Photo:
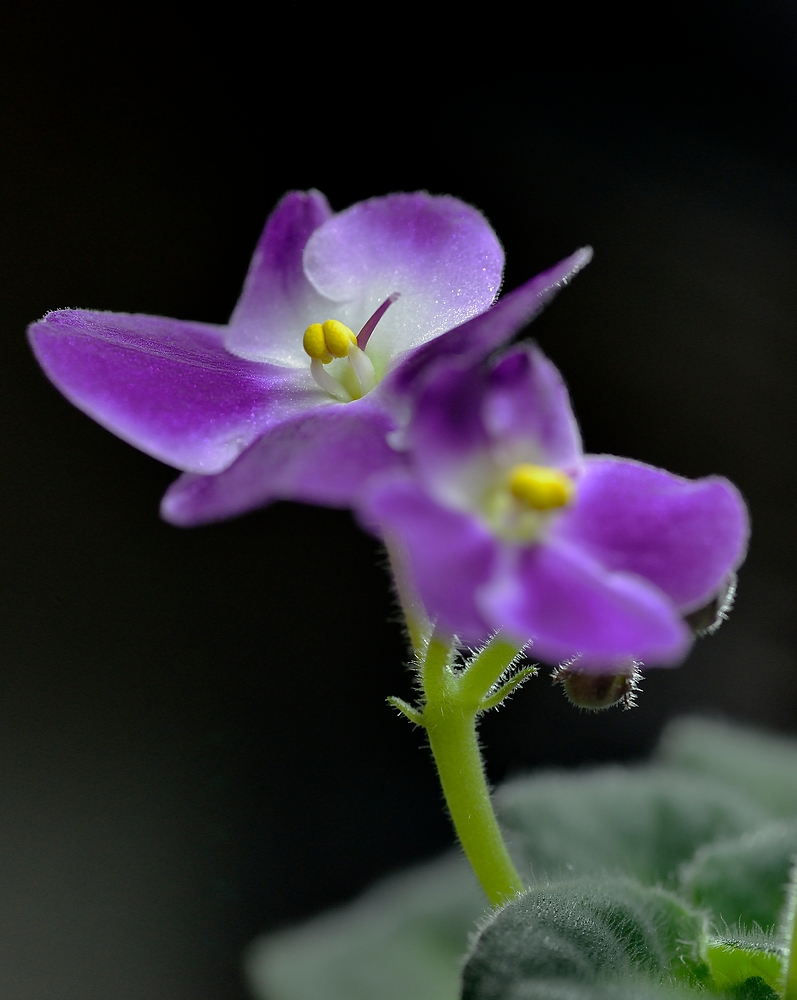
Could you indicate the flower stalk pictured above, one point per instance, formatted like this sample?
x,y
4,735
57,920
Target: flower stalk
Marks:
x,y
452,703
452,700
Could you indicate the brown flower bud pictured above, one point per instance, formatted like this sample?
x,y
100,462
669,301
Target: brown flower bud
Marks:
x,y
708,619
596,691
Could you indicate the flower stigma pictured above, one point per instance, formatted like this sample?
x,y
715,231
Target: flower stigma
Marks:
x,y
332,340
519,508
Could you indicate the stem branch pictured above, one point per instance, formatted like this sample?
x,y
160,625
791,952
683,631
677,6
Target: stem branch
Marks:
x,y
486,668
452,701
449,715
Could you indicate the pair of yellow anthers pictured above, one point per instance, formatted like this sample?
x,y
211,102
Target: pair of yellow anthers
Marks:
x,y
333,340
540,487
326,342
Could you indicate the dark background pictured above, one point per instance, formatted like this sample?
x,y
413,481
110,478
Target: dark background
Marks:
x,y
185,759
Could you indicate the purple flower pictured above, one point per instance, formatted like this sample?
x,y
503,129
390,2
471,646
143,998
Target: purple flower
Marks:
x,y
294,398
503,523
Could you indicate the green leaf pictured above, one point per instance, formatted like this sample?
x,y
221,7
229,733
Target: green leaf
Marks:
x,y
743,881
754,988
590,931
736,964
640,821
634,989
402,940
761,765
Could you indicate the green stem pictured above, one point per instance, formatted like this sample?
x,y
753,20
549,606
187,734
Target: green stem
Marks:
x,y
449,715
485,668
419,628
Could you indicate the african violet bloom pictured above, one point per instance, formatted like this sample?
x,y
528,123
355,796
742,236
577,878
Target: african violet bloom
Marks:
x,y
291,398
503,523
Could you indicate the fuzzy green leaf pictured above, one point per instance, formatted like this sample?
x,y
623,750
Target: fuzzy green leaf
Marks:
x,y
743,881
736,963
404,938
761,765
754,988
590,931
639,821
634,989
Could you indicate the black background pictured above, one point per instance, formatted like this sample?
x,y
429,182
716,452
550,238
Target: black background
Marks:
x,y
185,758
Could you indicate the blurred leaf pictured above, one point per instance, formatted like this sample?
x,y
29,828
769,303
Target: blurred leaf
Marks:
x,y
590,931
760,764
743,881
634,989
402,940
640,821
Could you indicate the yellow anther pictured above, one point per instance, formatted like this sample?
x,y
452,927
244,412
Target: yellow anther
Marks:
x,y
326,341
338,337
314,343
540,487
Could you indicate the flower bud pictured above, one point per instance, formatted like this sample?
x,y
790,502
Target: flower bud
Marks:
x,y
708,619
596,691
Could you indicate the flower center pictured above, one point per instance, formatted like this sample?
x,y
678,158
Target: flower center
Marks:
x,y
333,341
540,487
521,505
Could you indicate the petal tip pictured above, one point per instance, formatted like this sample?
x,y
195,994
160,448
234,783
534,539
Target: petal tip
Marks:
x,y
574,263
582,257
175,506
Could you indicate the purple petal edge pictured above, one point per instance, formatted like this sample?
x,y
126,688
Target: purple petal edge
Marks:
x,y
571,606
475,339
270,315
447,556
528,400
323,457
166,386
438,252
685,536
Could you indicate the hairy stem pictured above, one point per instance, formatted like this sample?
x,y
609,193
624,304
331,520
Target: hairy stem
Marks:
x,y
451,703
449,715
419,628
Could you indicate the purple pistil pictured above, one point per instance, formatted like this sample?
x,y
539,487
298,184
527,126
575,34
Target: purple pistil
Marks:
x,y
370,324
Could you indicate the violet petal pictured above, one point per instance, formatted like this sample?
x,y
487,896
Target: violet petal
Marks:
x,y
683,535
470,426
569,605
448,556
321,457
165,386
440,254
447,439
278,303
527,409
475,339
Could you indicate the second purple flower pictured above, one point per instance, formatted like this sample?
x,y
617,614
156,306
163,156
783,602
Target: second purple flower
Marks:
x,y
504,524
